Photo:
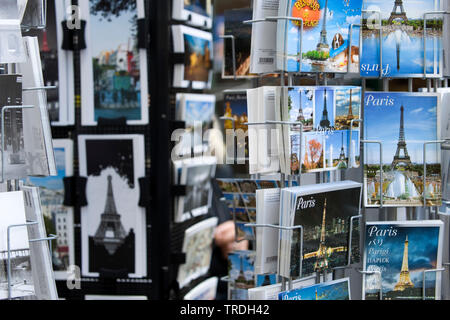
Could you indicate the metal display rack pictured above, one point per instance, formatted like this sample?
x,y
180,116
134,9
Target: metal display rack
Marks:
x,y
320,177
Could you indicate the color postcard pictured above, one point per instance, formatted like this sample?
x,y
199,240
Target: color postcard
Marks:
x,y
403,123
193,12
235,105
325,44
113,69
403,39
333,290
399,253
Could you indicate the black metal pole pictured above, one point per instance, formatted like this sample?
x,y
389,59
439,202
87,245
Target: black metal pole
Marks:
x,y
159,30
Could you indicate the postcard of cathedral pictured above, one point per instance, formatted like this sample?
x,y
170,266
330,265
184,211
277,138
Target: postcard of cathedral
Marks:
x,y
402,257
326,43
405,124
405,35
326,217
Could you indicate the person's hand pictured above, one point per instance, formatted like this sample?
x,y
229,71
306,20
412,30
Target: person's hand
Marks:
x,y
225,237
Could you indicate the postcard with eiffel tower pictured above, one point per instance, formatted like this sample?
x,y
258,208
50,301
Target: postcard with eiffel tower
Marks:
x,y
403,33
399,253
403,123
112,224
325,44
324,212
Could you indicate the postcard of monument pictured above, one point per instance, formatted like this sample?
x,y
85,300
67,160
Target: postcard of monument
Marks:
x,y
113,69
398,254
403,123
194,12
326,213
113,224
333,290
403,39
197,245
198,55
241,269
235,107
57,64
325,43
60,217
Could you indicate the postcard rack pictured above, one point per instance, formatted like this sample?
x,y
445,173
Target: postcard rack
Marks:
x,y
286,283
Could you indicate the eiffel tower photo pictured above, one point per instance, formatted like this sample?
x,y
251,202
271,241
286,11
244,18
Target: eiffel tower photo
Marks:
x,y
323,253
323,44
111,247
403,159
404,281
325,122
396,14
342,164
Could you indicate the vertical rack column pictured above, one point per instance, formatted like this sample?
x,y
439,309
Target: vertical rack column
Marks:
x,y
159,82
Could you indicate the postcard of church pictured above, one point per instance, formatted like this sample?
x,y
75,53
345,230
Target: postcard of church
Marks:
x,y
326,216
328,41
402,260
406,35
405,124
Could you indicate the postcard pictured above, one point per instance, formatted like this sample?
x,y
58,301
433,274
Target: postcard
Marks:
x,y
11,44
400,253
402,122
333,290
113,69
194,12
241,269
197,48
325,44
34,15
196,174
266,279
263,51
113,228
59,217
242,34
330,136
57,65
325,212
14,165
403,39
197,245
37,135
41,260
22,284
197,111
206,290
235,105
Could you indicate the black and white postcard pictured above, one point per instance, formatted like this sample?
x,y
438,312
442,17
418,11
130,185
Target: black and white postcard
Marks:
x,y
57,65
41,261
13,158
11,45
113,225
22,285
113,69
38,144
